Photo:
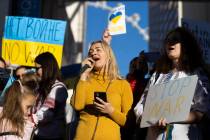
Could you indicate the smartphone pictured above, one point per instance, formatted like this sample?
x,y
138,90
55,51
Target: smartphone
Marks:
x,y
101,95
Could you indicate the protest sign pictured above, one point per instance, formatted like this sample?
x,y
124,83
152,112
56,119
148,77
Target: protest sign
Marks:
x,y
171,100
25,38
116,21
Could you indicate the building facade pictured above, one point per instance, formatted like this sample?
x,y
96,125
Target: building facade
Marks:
x,y
166,15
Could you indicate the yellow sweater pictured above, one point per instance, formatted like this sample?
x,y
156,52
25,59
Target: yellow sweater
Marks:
x,y
120,96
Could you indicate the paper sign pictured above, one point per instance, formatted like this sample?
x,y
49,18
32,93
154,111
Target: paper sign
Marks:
x,y
116,21
171,100
25,38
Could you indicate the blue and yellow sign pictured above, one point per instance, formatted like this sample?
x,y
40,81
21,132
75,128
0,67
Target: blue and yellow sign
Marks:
x,y
116,21
25,38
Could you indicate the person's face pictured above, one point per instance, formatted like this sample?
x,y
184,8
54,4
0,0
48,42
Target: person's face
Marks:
x,y
38,69
27,103
174,51
2,65
20,72
98,54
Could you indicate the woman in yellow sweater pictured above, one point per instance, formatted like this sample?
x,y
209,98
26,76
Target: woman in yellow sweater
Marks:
x,y
101,120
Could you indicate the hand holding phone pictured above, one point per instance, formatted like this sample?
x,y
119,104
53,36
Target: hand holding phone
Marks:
x,y
103,107
101,95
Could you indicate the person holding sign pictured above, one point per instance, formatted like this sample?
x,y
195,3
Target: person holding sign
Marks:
x,y
102,97
181,58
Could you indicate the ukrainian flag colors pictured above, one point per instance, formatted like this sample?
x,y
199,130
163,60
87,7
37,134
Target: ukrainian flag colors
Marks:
x,y
24,52
25,38
116,21
115,17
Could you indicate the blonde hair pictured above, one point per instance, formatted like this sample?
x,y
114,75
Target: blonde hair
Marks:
x,y
111,68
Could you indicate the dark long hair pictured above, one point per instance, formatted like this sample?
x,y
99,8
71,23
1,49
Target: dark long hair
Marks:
x,y
191,56
50,72
12,109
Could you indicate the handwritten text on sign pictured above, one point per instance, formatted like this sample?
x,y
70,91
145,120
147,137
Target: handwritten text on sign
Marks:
x,y
24,53
25,38
171,100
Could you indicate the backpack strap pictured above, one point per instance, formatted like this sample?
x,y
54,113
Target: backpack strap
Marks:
x,y
9,133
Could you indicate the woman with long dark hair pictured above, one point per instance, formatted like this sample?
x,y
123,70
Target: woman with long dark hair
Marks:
x,y
50,106
181,57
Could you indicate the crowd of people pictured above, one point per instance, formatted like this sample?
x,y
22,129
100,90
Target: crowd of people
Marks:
x,y
33,106
107,106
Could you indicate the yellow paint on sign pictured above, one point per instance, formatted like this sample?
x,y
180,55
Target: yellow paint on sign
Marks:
x,y
166,106
24,52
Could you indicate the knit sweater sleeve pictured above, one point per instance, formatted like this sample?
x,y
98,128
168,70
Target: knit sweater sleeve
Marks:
x,y
78,98
119,116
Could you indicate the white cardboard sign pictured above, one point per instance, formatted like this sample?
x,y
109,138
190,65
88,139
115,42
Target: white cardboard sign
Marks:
x,y
171,100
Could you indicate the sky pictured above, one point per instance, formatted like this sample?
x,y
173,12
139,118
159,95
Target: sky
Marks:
x,y
125,46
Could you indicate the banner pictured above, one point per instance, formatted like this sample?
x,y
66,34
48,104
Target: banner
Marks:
x,y
116,21
171,100
25,38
